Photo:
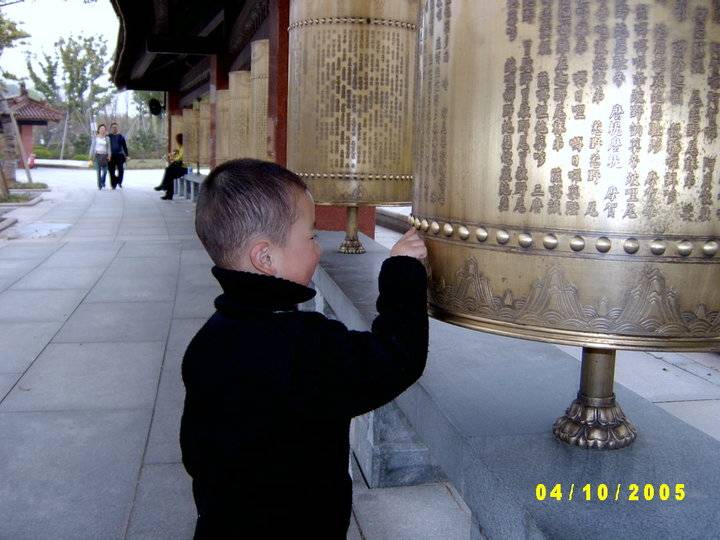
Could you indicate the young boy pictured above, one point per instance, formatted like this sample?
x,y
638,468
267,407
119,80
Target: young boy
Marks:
x,y
270,390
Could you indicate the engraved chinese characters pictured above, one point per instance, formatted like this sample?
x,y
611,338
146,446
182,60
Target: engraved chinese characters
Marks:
x,y
259,98
566,173
351,82
240,91
191,134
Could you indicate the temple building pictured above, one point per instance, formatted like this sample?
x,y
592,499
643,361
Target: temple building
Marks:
x,y
224,69
29,113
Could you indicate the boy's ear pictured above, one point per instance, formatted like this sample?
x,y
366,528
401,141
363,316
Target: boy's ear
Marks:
x,y
261,258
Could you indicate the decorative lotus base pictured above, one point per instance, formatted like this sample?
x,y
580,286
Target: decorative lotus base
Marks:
x,y
595,419
351,246
594,426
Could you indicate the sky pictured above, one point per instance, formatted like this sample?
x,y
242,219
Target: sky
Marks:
x,y
48,20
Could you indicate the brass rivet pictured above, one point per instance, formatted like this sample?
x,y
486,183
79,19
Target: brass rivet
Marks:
x,y
603,244
685,248
424,225
631,245
481,234
411,220
525,240
463,232
416,223
434,227
657,247
711,248
550,241
577,243
448,229
502,237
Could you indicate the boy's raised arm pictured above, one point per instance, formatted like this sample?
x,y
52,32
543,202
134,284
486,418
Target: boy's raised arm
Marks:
x,y
356,372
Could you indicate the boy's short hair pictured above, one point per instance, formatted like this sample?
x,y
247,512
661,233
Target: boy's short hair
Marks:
x,y
241,199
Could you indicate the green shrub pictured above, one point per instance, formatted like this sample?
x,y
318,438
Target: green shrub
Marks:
x,y
42,152
28,185
81,157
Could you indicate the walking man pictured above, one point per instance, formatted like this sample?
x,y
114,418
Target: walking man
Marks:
x,y
119,154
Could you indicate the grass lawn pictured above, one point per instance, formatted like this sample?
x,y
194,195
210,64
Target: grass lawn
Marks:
x,y
146,164
12,198
28,185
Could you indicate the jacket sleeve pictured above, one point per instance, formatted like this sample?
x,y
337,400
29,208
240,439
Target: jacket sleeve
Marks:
x,y
350,372
124,145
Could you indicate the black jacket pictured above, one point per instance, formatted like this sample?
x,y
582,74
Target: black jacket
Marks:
x,y
118,147
270,392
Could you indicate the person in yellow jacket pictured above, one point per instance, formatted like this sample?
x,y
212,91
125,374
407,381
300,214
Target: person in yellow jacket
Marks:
x,y
175,169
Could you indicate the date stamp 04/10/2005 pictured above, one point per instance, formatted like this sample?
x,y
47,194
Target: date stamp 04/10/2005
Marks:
x,y
610,492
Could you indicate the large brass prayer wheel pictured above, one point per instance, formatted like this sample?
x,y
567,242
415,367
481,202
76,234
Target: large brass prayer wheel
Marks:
x,y
567,179
350,102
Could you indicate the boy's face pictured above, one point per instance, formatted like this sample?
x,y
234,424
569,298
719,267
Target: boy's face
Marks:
x,y
297,259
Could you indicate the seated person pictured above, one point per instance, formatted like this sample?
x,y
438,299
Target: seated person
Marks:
x,y
175,169
270,390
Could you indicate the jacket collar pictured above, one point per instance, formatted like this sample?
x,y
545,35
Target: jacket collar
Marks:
x,y
248,291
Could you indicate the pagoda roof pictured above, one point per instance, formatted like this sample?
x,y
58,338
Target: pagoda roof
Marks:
x,y
27,109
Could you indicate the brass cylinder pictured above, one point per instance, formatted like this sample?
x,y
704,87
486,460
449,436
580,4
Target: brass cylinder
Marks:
x,y
204,131
190,136
259,70
223,126
597,373
567,168
240,107
350,99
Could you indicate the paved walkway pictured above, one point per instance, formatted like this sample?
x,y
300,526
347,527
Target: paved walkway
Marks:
x,y
100,292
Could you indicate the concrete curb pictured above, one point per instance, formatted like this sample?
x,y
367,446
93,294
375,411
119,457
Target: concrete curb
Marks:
x,y
6,223
31,202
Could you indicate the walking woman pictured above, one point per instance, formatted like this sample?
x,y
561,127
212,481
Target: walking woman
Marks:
x,y
175,169
99,153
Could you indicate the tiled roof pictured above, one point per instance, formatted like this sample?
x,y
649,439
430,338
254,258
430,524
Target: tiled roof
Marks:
x,y
26,108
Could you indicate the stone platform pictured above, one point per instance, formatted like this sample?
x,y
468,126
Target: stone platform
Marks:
x,y
484,410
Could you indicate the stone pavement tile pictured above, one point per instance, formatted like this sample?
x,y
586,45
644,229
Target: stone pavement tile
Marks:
x,y
195,256
150,249
6,282
26,251
86,376
710,360
77,257
132,288
60,278
14,268
191,243
125,322
7,380
38,305
138,267
181,332
703,415
144,237
428,511
196,302
69,474
164,442
20,343
196,275
164,506
657,380
354,532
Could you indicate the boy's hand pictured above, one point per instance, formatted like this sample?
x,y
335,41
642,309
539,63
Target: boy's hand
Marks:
x,y
410,245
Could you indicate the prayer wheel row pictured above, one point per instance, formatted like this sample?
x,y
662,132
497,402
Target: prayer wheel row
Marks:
x,y
240,117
